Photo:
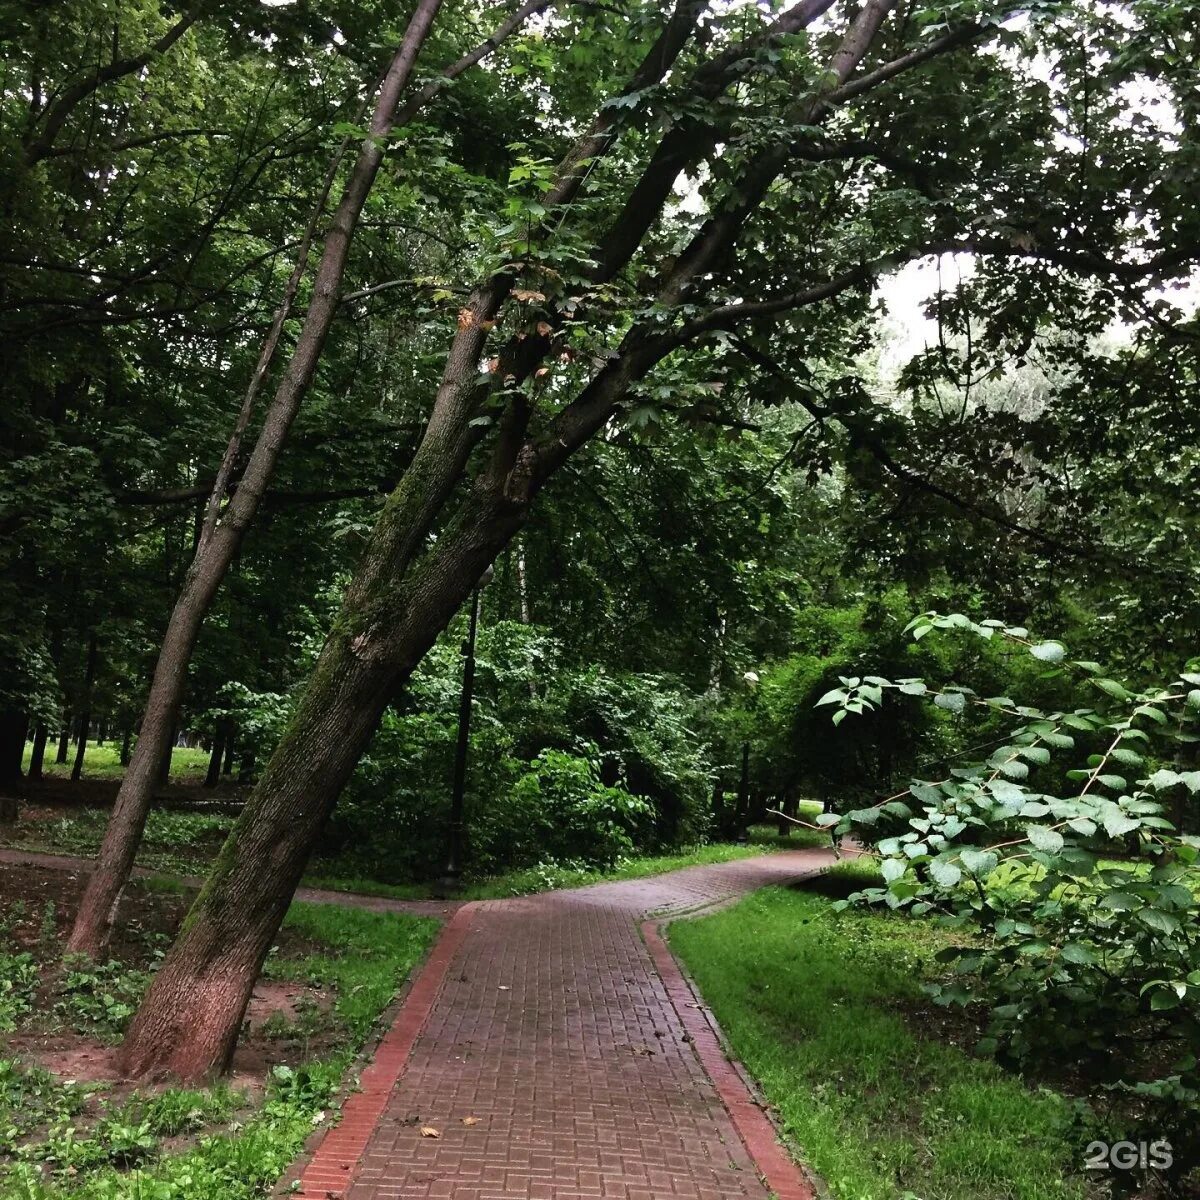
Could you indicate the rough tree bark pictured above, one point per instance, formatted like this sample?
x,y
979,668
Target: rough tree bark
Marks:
x,y
408,585
221,539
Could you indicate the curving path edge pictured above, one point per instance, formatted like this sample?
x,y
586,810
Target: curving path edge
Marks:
x,y
551,1048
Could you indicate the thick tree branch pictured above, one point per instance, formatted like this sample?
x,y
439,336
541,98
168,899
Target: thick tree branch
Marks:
x,y
689,140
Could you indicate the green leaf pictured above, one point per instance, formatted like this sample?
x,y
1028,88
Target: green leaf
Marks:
x,y
1074,952
1044,838
1112,687
1117,823
946,874
891,868
979,862
1156,919
1049,652
954,702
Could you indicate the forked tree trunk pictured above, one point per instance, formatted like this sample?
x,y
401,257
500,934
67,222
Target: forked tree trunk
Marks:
x,y
188,1023
218,548
403,594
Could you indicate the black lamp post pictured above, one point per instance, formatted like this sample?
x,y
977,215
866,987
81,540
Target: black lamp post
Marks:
x,y
750,679
451,880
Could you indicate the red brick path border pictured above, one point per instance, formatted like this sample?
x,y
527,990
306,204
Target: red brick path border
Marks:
x,y
782,1175
331,1167
484,1045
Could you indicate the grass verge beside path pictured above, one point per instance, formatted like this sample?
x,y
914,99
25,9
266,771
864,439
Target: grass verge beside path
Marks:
x,y
552,876
55,1150
814,1002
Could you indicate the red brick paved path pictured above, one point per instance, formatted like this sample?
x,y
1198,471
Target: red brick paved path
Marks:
x,y
547,1019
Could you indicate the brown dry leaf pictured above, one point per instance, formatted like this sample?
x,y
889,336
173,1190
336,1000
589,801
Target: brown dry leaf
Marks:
x,y
466,318
541,371
470,1120
544,328
429,1131
493,365
528,294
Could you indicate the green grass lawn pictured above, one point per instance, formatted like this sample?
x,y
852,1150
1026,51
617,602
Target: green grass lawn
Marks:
x,y
104,762
826,1011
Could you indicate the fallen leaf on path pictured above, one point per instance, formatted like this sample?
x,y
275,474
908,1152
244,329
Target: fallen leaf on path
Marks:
x,y
470,1120
429,1131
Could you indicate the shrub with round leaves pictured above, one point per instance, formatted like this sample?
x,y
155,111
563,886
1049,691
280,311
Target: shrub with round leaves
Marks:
x,y
1079,905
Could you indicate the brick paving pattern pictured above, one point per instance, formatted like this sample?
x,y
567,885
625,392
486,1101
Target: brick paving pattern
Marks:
x,y
554,1032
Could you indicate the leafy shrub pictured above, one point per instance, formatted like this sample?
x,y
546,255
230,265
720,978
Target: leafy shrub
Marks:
x,y
560,811
636,730
1083,899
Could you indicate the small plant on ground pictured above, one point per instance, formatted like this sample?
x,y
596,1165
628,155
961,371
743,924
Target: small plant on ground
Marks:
x,y
99,998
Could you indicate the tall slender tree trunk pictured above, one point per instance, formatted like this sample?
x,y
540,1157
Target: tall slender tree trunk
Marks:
x,y
221,537
404,592
64,738
85,717
126,743
164,764
37,756
213,775
230,744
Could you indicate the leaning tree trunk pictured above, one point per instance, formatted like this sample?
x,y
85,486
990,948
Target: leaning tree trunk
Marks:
x,y
403,594
188,1023
220,539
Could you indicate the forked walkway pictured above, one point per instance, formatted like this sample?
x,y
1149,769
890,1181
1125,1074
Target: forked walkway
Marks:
x,y
550,1050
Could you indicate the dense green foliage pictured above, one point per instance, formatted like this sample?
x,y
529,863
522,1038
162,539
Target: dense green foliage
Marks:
x,y
1067,852
925,341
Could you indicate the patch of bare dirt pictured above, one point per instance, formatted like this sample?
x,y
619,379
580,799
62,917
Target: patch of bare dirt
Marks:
x,y
286,1021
